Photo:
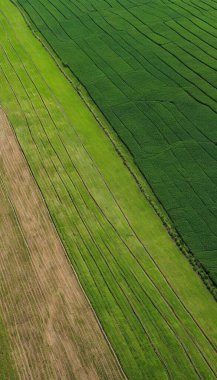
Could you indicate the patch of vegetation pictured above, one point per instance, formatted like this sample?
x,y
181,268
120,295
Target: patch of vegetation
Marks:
x,y
7,368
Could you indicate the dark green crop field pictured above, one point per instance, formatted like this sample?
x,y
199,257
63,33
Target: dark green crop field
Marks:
x,y
150,66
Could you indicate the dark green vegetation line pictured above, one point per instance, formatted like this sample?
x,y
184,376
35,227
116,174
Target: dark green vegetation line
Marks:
x,y
151,68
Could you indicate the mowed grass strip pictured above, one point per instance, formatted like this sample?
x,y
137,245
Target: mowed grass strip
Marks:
x,y
151,69
155,311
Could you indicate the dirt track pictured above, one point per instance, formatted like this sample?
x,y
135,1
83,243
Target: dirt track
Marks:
x,y
53,330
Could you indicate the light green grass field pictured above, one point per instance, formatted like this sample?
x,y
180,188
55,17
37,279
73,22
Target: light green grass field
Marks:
x,y
156,312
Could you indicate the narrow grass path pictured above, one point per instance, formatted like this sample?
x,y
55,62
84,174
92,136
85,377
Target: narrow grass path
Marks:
x,y
157,314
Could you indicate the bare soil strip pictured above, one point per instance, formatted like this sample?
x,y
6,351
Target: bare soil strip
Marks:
x,y
53,330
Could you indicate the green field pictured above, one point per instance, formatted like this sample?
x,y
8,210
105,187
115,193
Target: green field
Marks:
x,y
154,309
7,367
151,67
